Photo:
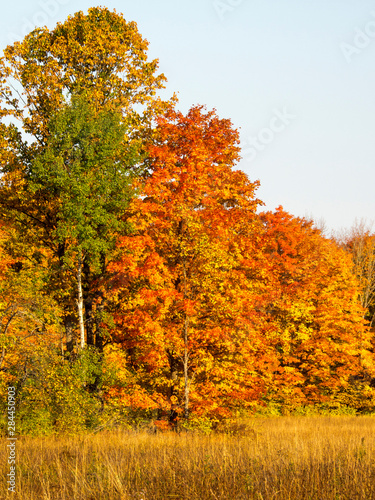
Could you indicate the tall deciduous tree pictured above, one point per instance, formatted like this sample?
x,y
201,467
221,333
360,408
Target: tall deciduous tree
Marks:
x,y
86,168
313,317
103,58
181,282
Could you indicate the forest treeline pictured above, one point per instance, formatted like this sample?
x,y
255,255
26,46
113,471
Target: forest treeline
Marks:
x,y
139,276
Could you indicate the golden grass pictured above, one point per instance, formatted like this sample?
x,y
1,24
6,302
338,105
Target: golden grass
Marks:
x,y
292,458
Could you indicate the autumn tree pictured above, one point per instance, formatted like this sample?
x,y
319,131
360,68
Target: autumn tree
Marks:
x,y
359,242
180,282
102,58
312,315
27,313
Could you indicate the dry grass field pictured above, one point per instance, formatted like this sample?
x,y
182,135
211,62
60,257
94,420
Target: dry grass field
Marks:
x,y
294,458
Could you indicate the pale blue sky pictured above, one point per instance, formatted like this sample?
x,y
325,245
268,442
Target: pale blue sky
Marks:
x,y
279,69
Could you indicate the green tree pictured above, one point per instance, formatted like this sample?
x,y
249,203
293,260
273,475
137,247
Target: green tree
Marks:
x,y
88,169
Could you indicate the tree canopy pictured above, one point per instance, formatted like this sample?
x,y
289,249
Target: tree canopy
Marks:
x,y
138,275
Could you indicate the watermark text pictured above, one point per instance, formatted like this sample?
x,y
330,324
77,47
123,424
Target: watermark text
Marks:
x,y
254,145
223,7
48,10
362,38
11,445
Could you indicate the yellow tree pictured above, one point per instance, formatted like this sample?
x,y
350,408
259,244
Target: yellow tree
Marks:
x,y
359,241
27,313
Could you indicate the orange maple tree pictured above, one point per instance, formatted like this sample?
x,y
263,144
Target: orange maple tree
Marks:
x,y
182,281
311,313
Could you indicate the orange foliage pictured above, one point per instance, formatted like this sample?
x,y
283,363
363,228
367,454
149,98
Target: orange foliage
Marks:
x,y
180,281
312,316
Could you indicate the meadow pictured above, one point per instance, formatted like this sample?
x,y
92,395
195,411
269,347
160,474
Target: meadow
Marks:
x,y
275,458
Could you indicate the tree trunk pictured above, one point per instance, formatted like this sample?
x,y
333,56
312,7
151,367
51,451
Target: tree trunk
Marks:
x,y
80,302
186,352
99,340
68,324
186,368
88,303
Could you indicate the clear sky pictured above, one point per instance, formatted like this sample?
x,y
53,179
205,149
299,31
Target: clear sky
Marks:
x,y
297,77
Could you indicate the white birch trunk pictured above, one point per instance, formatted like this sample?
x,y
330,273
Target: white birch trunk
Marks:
x,y
80,302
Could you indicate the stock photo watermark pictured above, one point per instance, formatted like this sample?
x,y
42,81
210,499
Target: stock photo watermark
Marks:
x,y
254,145
362,38
48,11
11,439
223,7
